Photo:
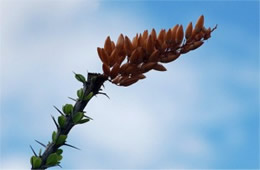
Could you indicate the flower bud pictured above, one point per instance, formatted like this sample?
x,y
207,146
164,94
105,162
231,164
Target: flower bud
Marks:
x,y
199,24
188,31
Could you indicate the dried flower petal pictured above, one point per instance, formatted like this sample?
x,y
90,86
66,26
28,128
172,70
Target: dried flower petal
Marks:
x,y
106,69
128,82
185,49
121,59
117,79
145,35
195,45
157,44
199,36
188,31
161,36
174,30
108,46
113,57
120,42
140,55
169,58
207,36
130,69
159,67
134,56
147,66
123,68
128,46
149,45
140,76
141,41
154,56
122,52
153,34
179,35
168,36
199,24
204,30
135,41
104,56
99,50
114,70
113,45
164,46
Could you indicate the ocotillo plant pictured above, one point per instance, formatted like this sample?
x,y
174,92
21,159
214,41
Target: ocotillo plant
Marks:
x,y
124,63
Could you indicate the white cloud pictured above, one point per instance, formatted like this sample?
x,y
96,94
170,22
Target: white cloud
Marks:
x,y
135,126
124,130
194,145
15,12
14,162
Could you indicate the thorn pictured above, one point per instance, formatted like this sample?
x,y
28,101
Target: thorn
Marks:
x,y
104,94
74,72
72,99
59,165
59,110
40,143
71,146
88,117
55,122
214,28
33,150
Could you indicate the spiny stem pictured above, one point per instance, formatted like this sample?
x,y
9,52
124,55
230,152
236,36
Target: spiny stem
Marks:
x,y
92,84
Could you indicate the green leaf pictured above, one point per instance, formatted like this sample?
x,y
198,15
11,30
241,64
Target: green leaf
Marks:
x,y
61,139
36,162
32,159
80,94
52,159
54,134
80,78
59,151
83,121
59,157
67,109
62,121
77,117
40,152
89,96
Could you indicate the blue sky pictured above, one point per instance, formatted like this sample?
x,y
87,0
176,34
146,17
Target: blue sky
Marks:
x,y
202,113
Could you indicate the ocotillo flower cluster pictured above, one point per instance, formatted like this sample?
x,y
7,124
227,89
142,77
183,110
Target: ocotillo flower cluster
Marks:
x,y
125,62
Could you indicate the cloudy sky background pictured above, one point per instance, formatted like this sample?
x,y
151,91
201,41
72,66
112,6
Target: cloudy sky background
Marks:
x,y
202,113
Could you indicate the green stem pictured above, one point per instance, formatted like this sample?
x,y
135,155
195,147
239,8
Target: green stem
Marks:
x,y
93,84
